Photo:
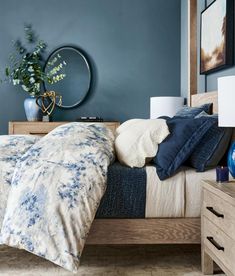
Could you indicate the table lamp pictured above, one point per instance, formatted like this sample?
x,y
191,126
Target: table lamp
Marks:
x,y
165,106
226,112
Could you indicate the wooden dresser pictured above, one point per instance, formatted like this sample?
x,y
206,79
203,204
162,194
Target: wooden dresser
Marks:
x,y
218,226
42,128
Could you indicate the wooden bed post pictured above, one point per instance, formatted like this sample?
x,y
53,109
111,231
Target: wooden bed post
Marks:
x,y
192,49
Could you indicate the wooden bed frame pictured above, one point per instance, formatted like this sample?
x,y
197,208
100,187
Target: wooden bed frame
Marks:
x,y
152,231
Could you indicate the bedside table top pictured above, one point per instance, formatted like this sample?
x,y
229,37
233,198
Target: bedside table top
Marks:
x,y
42,128
224,190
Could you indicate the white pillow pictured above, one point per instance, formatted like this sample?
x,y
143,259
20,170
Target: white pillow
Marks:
x,y
138,139
124,126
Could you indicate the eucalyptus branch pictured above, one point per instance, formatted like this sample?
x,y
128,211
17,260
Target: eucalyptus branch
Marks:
x,y
26,66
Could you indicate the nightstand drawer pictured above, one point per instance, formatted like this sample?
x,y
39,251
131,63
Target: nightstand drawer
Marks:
x,y
219,243
32,128
220,212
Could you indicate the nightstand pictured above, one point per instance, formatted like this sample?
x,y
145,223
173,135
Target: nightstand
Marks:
x,y
42,128
218,226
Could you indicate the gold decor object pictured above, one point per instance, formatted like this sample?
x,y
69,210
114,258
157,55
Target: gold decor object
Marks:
x,y
48,100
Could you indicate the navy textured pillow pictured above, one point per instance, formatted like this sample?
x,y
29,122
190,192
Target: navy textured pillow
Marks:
x,y
191,112
212,147
185,134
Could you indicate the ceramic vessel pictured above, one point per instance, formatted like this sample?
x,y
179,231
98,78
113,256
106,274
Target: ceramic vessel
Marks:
x,y
32,110
231,160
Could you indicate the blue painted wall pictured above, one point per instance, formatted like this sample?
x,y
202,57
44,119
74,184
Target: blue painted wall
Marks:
x,y
133,45
205,83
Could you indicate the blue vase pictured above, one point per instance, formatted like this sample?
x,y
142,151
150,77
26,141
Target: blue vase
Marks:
x,y
231,160
32,110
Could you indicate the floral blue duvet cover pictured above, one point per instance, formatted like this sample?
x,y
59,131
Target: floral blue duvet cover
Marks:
x,y
51,188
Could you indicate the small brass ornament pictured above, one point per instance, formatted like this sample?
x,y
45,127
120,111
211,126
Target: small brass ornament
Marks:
x,y
48,100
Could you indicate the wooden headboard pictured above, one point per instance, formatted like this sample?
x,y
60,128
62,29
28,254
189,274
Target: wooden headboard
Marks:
x,y
209,97
203,98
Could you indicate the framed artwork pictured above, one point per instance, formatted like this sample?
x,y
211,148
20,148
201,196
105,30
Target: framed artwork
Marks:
x,y
216,43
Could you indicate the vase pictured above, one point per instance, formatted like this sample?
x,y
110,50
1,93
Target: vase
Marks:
x,y
231,160
32,110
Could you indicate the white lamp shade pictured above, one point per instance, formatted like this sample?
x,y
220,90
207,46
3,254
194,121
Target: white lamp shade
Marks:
x,y
226,101
165,106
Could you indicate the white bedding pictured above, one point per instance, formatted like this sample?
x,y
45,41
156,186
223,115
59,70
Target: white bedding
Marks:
x,y
48,212
177,196
193,190
11,150
55,190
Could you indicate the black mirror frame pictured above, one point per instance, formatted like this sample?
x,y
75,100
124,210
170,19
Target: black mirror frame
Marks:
x,y
82,54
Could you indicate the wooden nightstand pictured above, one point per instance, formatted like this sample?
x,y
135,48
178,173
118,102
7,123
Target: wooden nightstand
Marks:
x,y
42,128
218,226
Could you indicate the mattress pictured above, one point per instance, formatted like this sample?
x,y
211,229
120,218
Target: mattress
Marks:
x,y
139,193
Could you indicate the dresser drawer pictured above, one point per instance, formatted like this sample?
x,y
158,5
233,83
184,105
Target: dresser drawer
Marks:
x,y
32,128
219,243
220,212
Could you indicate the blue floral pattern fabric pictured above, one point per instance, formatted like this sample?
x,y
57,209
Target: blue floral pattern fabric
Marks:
x,y
55,192
12,147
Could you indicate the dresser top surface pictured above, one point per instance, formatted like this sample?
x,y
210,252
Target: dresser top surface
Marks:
x,y
58,122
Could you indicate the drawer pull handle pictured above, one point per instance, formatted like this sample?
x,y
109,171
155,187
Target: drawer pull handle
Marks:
x,y
38,133
211,240
211,209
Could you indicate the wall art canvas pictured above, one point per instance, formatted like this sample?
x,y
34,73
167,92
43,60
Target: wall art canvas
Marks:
x,y
216,36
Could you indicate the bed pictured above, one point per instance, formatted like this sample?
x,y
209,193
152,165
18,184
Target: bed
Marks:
x,y
178,230
53,192
134,223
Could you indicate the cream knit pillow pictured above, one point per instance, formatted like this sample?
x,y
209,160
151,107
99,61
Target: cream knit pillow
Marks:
x,y
137,140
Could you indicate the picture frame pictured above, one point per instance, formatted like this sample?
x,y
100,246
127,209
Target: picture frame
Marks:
x,y
217,36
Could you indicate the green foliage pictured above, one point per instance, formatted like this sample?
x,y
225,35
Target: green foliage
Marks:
x,y
26,65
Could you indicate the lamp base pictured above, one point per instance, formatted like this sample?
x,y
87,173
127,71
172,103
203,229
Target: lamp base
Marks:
x,y
231,160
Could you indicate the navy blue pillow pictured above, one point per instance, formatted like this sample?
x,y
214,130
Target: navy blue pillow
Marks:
x,y
212,147
185,134
191,112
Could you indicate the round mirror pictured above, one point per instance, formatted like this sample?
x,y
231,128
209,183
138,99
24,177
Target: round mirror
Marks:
x,y
76,84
